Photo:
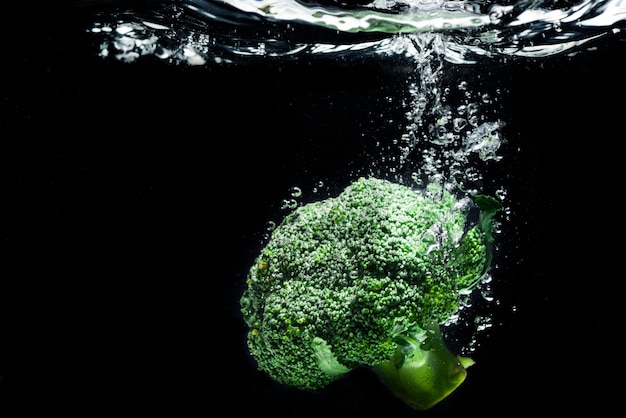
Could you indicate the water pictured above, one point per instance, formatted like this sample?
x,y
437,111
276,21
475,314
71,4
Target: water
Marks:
x,y
200,31
449,121
448,125
170,137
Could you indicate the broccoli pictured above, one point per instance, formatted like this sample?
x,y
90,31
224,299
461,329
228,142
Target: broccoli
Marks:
x,y
365,279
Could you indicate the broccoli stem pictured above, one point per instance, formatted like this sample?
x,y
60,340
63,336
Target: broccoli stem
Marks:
x,y
427,376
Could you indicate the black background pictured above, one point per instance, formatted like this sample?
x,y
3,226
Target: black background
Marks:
x,y
134,197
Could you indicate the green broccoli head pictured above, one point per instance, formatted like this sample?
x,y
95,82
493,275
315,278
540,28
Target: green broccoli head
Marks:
x,y
364,279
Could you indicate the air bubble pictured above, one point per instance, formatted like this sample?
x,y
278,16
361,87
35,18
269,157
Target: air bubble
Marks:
x,y
459,124
289,204
496,15
295,191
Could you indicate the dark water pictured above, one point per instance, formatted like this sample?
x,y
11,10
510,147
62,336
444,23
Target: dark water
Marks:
x,y
135,195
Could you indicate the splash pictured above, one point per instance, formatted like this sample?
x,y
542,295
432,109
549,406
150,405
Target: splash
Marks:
x,y
202,32
445,124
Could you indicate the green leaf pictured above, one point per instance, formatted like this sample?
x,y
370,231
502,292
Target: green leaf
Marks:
x,y
326,360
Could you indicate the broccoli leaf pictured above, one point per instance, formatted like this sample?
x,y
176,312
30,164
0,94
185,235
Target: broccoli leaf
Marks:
x,y
326,360
488,207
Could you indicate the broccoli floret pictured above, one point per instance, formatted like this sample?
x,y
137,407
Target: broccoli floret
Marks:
x,y
365,279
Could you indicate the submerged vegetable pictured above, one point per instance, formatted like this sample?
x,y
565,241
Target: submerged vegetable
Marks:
x,y
364,280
